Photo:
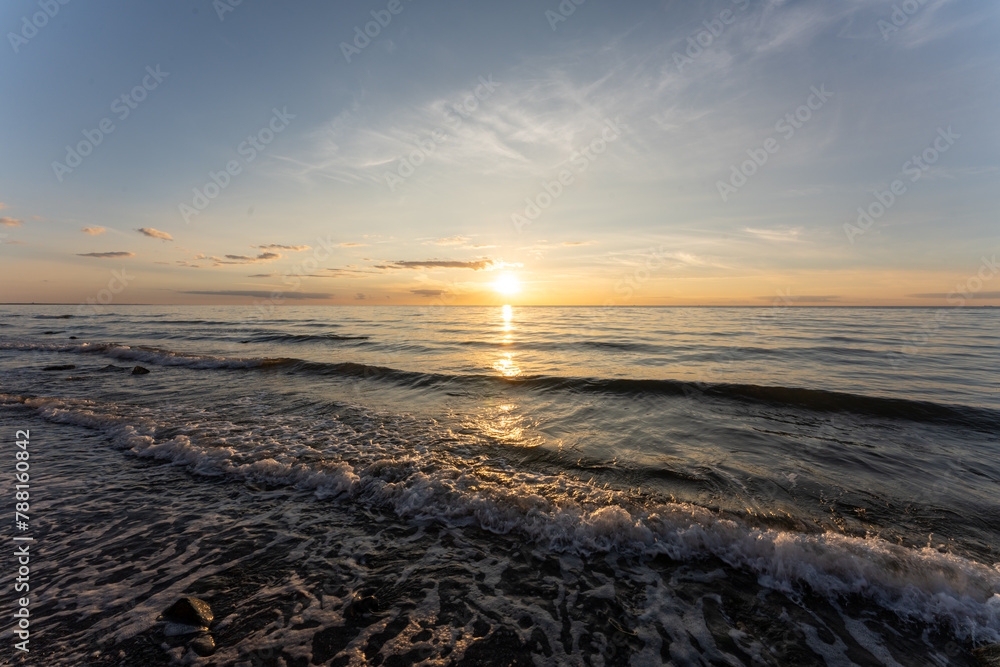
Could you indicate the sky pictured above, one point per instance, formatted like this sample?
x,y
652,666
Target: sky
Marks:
x,y
535,153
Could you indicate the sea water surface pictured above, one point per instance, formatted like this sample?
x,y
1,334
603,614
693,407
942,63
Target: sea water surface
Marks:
x,y
515,485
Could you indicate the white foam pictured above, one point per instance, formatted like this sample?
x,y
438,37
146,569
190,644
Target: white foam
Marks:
x,y
557,512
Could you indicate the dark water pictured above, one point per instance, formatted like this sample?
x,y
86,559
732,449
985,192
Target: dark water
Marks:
x,y
551,486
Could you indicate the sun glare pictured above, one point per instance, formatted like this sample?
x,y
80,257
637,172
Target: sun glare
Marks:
x,y
507,284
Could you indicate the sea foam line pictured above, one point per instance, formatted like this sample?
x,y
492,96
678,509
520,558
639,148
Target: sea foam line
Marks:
x,y
556,512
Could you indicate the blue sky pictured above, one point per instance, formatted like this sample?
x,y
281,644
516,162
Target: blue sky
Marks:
x,y
652,153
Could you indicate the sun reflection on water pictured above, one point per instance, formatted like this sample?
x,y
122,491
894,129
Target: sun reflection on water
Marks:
x,y
503,423
505,365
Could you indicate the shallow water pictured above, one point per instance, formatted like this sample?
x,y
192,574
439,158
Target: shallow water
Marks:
x,y
537,485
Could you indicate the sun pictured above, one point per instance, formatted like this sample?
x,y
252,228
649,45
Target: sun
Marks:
x,y
507,284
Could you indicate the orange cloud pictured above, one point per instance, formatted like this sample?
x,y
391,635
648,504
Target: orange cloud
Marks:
x,y
155,233
106,254
278,246
244,259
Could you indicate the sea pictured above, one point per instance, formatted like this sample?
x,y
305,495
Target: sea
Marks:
x,y
444,485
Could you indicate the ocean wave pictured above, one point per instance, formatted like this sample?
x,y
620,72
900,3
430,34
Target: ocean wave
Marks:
x,y
300,338
155,356
815,400
559,513
683,353
651,348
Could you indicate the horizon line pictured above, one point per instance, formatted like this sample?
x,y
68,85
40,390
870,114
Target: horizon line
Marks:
x,y
483,305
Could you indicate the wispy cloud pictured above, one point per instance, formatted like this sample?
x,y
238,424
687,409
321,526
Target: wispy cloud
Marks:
x,y
966,295
427,292
475,265
673,260
803,298
261,294
10,222
278,246
353,245
155,233
118,253
783,25
93,231
333,273
956,173
931,22
245,259
786,234
547,110
533,121
451,240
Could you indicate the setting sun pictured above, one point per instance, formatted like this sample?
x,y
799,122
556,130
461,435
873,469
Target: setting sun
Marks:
x,y
507,284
